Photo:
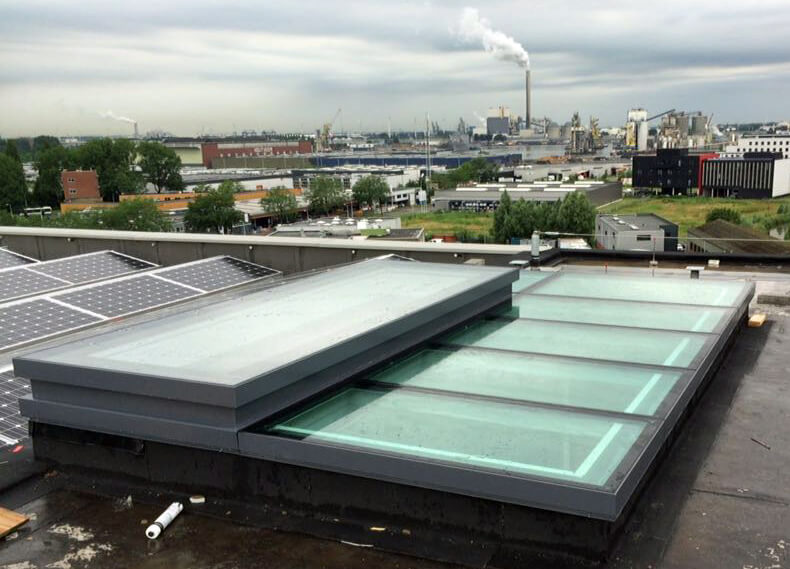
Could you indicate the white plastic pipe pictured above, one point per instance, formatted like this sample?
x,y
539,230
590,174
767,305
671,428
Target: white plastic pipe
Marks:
x,y
164,520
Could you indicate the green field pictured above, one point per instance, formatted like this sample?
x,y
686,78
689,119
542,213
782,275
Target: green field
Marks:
x,y
450,222
685,211
691,212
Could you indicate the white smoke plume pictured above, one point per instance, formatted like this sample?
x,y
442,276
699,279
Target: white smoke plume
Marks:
x,y
113,116
478,117
473,28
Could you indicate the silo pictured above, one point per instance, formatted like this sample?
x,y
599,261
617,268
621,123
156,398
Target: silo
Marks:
x,y
641,136
698,125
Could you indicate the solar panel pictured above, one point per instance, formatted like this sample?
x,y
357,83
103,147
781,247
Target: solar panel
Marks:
x,y
20,281
13,427
36,319
11,259
216,274
91,267
117,298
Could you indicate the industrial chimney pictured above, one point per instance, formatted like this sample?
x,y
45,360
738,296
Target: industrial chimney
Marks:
x,y
136,134
528,115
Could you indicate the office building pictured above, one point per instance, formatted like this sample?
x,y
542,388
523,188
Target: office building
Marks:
x,y
675,171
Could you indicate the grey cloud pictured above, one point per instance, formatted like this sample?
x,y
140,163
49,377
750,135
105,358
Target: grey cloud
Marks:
x,y
596,56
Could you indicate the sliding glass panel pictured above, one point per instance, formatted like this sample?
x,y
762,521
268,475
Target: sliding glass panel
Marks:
x,y
647,289
509,438
655,347
229,342
528,278
667,317
610,387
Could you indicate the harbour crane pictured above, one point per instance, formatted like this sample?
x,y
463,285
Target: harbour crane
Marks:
x,y
323,139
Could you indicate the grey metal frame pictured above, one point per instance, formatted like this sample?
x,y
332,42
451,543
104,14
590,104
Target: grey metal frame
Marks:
x,y
607,502
157,401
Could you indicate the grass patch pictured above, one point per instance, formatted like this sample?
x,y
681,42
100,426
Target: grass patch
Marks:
x,y
690,212
450,222
374,232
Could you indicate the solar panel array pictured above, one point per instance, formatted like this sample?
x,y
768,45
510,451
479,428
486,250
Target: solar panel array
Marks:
x,y
11,259
38,318
127,296
92,267
216,274
13,427
27,280
29,320
23,282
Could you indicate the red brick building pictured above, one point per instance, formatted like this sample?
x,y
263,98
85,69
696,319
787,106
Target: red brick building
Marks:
x,y
212,150
80,185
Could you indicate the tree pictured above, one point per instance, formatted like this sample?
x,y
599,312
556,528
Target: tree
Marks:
x,y
476,170
201,188
371,190
113,161
725,213
11,150
325,194
281,203
48,189
501,229
138,214
161,166
231,186
13,188
213,211
576,215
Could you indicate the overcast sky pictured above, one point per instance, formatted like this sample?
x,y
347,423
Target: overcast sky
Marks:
x,y
219,66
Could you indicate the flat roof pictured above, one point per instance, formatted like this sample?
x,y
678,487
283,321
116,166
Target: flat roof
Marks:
x,y
645,221
735,238
688,515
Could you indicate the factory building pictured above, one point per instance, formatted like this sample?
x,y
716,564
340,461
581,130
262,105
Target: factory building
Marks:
x,y
676,171
641,232
752,175
762,143
486,197
501,121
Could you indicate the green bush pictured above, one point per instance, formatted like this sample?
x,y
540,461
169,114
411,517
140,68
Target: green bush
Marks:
x,y
725,213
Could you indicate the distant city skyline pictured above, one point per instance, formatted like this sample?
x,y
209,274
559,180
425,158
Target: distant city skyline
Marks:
x,y
211,67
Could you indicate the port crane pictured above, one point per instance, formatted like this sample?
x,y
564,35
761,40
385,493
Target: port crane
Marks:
x,y
323,138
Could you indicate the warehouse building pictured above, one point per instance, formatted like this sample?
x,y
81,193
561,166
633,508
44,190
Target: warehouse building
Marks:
x,y
641,232
214,150
752,175
486,197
